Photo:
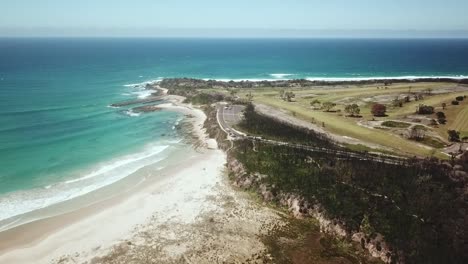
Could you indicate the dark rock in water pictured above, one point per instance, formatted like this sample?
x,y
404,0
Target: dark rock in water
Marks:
x,y
146,108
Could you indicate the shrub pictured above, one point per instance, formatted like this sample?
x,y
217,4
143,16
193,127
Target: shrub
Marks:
x,y
441,117
378,110
352,109
425,109
454,136
395,124
205,98
288,96
316,104
327,106
459,98
455,102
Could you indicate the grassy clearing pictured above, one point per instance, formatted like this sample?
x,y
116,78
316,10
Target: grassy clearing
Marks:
x,y
364,95
433,142
461,120
348,127
457,118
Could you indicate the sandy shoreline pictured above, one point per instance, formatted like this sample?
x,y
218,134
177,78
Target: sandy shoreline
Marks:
x,y
186,190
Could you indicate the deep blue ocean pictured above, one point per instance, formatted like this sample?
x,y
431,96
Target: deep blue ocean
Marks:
x,y
59,139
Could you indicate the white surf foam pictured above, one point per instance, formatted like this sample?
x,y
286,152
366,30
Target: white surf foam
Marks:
x,y
131,113
143,84
334,79
340,79
21,202
281,75
242,80
143,93
132,85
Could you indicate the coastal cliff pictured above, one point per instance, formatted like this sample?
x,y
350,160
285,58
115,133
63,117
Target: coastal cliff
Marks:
x,y
300,208
408,213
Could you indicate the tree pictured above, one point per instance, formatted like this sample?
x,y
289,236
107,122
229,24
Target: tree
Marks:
x,y
425,109
417,133
352,109
454,102
444,105
249,114
316,104
233,93
441,117
249,96
366,227
281,93
378,110
428,91
459,98
288,96
454,136
397,102
327,106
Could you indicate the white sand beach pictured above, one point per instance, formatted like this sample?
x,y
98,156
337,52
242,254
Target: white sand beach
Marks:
x,y
190,213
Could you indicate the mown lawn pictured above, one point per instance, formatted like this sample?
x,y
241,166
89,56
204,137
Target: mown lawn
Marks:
x,y
338,123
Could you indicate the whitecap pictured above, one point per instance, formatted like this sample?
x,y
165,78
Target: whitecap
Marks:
x,y
240,80
281,75
143,93
143,84
131,113
341,79
132,85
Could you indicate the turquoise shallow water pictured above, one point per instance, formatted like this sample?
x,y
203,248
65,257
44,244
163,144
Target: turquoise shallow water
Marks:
x,y
59,139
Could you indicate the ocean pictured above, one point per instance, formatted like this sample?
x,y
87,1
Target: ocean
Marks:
x,y
59,139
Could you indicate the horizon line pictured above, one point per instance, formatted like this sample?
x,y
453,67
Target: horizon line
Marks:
x,y
74,32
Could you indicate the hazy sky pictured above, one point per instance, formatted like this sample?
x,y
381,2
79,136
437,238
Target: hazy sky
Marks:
x,y
233,17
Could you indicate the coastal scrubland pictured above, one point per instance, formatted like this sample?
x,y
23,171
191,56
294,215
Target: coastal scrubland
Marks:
x,y
413,207
325,104
403,211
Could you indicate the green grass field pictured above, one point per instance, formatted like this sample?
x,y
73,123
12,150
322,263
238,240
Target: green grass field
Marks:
x,y
461,121
337,122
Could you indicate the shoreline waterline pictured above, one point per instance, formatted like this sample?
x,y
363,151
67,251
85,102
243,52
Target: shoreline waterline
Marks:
x,y
106,222
71,193
123,183
50,221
